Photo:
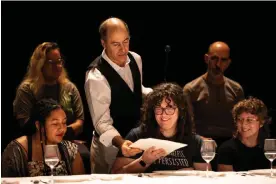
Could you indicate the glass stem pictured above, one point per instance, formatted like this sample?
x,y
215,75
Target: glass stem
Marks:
x,y
207,170
52,175
271,171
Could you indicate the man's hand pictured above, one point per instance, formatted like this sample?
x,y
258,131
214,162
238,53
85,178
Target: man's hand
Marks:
x,y
128,151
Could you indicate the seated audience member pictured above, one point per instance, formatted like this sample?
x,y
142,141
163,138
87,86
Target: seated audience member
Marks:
x,y
24,156
47,78
245,151
163,117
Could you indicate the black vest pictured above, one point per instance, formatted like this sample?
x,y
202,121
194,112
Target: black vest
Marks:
x,y
125,104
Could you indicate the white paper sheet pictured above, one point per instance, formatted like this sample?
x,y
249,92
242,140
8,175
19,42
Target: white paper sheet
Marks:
x,y
168,146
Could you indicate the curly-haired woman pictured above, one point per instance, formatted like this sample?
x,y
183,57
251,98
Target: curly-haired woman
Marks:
x,y
163,117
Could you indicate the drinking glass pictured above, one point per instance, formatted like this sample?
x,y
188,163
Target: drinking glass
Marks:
x,y
51,157
270,152
208,152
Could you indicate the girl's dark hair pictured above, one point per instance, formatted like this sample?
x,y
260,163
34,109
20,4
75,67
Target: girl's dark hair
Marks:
x,y
43,108
171,91
40,112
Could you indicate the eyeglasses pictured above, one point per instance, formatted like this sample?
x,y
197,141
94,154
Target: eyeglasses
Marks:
x,y
216,59
168,110
247,121
60,61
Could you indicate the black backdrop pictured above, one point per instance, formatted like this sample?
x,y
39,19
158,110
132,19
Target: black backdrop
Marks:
x,y
188,27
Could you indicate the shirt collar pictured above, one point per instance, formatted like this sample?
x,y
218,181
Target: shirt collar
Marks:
x,y
114,65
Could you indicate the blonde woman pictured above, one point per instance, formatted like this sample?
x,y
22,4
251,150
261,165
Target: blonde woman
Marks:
x,y
47,78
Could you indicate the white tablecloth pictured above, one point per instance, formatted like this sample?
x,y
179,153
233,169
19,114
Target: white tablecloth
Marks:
x,y
216,178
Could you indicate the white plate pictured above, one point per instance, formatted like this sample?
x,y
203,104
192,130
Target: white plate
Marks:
x,y
262,171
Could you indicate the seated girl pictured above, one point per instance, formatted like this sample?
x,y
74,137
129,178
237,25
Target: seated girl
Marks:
x,y
163,117
245,151
25,156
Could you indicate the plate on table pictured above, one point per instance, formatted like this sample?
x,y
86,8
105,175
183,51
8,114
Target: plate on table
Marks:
x,y
262,171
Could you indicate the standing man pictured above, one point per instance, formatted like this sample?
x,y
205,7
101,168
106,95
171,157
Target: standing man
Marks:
x,y
113,88
212,96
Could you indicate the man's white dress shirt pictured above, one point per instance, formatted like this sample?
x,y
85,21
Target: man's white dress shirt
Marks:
x,y
98,95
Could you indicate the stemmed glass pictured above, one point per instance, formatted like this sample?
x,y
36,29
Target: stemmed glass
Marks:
x,y
208,152
270,152
51,157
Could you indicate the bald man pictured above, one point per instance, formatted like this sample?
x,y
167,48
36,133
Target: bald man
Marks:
x,y
113,87
212,96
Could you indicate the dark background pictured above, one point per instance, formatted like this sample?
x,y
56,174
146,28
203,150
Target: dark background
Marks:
x,y
188,27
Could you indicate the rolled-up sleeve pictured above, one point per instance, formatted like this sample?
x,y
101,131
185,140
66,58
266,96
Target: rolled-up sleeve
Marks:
x,y
98,95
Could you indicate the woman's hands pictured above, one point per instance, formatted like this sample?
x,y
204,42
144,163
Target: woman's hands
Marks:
x,y
152,154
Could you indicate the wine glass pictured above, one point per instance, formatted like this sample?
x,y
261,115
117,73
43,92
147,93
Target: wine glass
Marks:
x,y
51,157
208,152
270,152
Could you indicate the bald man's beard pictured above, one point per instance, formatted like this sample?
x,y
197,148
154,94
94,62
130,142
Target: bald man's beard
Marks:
x,y
215,72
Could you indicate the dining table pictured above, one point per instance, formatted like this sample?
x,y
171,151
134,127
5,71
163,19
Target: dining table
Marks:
x,y
159,177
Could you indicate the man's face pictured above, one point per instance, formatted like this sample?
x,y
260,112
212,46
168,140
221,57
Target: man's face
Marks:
x,y
218,59
117,45
218,63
